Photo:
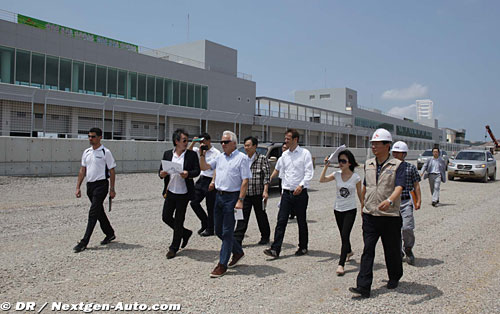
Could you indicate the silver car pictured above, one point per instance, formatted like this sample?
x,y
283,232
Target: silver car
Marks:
x,y
473,164
427,154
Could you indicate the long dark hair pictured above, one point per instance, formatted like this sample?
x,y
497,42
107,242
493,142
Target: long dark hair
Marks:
x,y
350,158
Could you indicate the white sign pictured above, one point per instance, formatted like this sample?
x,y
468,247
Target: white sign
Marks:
x,y
171,167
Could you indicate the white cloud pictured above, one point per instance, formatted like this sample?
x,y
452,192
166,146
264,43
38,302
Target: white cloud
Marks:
x,y
413,92
409,111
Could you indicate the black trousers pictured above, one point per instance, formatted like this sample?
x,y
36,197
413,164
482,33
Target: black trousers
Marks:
x,y
345,221
262,221
288,203
389,229
97,191
202,192
174,214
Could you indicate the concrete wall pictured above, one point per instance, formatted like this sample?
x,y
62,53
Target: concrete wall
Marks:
x,y
23,156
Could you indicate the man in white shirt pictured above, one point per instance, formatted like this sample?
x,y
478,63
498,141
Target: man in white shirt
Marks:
x,y
295,168
97,165
204,187
231,182
435,169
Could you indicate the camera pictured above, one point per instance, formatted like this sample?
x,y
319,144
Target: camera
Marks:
x,y
203,147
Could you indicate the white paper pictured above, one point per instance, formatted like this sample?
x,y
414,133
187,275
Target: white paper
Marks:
x,y
333,157
238,214
171,167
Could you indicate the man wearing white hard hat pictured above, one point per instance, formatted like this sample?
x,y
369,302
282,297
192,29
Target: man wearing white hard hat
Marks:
x,y
410,199
382,187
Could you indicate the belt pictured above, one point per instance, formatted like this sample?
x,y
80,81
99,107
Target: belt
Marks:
x,y
291,192
224,192
98,181
203,177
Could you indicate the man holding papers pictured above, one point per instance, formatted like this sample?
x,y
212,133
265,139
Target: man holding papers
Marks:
x,y
231,182
179,167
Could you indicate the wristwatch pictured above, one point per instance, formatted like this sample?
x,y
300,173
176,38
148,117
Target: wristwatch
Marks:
x,y
390,202
241,198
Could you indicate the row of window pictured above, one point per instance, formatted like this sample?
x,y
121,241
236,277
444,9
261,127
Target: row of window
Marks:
x,y
371,124
405,131
48,72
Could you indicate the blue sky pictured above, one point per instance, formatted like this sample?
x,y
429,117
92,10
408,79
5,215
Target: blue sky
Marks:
x,y
391,52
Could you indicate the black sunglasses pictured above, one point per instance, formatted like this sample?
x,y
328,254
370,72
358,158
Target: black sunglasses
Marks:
x,y
92,136
225,142
342,161
184,141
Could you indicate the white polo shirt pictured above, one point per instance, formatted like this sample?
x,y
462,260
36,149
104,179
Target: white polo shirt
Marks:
x,y
210,155
177,184
231,171
95,160
296,168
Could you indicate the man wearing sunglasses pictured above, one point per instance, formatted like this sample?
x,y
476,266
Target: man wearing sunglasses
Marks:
x,y
231,182
97,165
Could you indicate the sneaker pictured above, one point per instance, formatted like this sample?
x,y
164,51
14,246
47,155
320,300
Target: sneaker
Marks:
x,y
186,239
272,253
263,242
207,233
219,271
340,270
301,252
392,284
360,292
108,239
80,247
235,259
349,255
171,254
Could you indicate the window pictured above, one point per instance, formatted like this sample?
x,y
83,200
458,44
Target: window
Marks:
x,y
112,82
176,93
77,77
204,97
183,100
150,86
324,96
22,67
90,78
132,85
197,96
350,96
6,65
311,97
190,95
167,95
159,90
122,83
101,81
141,87
52,72
65,75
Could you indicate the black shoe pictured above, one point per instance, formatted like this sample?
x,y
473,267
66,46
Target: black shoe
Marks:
x,y
201,230
392,284
272,253
292,217
207,233
108,239
170,254
410,258
301,252
263,242
360,292
186,239
434,204
80,247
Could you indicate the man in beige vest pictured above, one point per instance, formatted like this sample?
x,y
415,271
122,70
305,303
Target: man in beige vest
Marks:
x,y
383,184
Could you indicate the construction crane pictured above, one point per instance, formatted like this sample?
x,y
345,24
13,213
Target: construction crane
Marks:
x,y
497,146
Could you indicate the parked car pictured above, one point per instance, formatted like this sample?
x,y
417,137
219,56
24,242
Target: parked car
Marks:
x,y
427,154
473,164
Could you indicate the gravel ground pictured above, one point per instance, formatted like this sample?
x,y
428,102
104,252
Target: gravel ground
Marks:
x,y
457,254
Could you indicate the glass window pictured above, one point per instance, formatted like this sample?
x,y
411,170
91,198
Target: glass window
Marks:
x,y
6,65
204,97
112,82
302,113
274,108
101,81
183,100
122,83
132,85
23,67
65,75
293,112
150,86
89,78
168,92
264,107
159,90
52,64
141,87
77,77
284,110
197,96
37,69
190,95
176,93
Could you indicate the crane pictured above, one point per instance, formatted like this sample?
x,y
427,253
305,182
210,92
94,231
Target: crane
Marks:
x,y
497,146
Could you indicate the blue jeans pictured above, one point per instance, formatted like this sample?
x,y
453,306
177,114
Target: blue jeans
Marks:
x,y
224,225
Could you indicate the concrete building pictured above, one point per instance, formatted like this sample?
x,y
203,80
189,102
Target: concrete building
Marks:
x,y
425,112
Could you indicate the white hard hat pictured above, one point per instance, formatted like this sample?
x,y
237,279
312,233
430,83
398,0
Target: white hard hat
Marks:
x,y
381,135
400,146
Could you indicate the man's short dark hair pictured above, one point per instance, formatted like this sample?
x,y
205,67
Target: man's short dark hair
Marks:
x,y
436,148
97,131
205,135
254,140
176,136
295,133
